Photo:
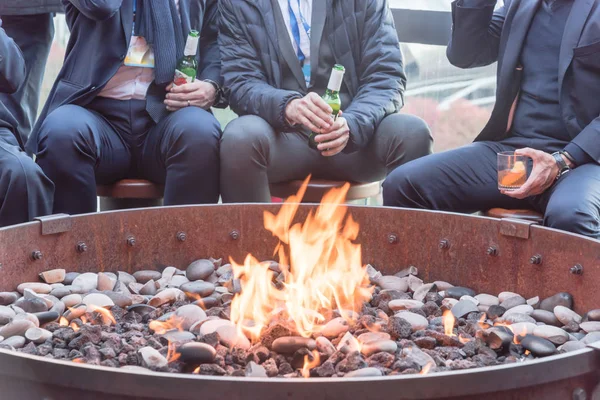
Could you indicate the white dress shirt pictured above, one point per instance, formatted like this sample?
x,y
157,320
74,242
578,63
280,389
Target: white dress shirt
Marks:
x,y
130,82
306,10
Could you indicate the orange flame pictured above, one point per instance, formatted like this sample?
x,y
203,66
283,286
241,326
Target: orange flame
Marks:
x,y
63,321
197,370
78,360
172,353
463,339
74,326
160,327
448,319
107,317
425,369
308,364
325,269
482,324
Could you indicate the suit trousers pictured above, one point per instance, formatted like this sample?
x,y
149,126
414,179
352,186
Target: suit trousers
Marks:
x,y
466,180
25,192
254,155
110,140
33,34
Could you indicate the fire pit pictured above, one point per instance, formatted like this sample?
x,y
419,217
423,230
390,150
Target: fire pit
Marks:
x,y
486,255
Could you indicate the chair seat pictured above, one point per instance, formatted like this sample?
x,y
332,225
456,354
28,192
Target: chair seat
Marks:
x,y
317,188
528,215
131,189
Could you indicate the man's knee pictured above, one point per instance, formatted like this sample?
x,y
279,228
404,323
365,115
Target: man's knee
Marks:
x,y
195,129
407,131
399,188
246,133
22,173
64,130
573,216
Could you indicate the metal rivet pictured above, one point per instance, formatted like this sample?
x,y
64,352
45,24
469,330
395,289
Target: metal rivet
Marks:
x,y
392,238
131,241
492,251
576,270
536,260
81,247
444,244
36,255
181,236
235,235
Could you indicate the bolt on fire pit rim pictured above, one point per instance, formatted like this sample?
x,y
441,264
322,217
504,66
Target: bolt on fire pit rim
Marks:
x,y
131,241
81,247
36,255
577,269
181,236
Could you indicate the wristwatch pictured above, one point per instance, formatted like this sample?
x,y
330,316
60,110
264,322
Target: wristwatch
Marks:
x,y
563,168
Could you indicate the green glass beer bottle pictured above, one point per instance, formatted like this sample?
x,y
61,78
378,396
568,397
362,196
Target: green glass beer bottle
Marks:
x,y
187,67
331,97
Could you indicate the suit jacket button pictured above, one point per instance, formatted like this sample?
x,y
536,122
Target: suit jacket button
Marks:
x,y
93,88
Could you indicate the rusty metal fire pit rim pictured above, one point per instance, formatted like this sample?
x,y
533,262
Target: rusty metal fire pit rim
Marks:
x,y
454,383
350,208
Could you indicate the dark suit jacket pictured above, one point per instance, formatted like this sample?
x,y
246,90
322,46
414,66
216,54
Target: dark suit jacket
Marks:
x,y
12,76
481,36
100,35
362,36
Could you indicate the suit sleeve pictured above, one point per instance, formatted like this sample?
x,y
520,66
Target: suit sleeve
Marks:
x,y
584,148
243,77
210,57
476,31
12,64
381,76
98,10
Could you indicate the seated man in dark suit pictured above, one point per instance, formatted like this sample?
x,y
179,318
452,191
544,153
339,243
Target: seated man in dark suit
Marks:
x,y
25,192
547,108
113,114
277,56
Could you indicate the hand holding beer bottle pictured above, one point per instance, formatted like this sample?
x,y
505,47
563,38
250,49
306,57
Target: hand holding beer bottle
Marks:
x,y
186,91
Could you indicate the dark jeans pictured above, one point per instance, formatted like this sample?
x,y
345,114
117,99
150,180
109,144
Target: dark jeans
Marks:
x,y
254,155
110,140
466,180
33,34
25,192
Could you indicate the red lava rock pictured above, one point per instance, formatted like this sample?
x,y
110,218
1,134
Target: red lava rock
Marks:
x,y
270,367
426,342
399,328
352,362
385,360
211,369
327,369
272,333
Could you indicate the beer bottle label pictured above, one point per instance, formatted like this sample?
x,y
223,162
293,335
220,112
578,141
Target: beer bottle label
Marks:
x,y
181,78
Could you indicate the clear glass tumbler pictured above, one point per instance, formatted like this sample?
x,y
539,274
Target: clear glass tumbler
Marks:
x,y
513,170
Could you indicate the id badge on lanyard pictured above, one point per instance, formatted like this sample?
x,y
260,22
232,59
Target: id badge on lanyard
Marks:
x,y
139,53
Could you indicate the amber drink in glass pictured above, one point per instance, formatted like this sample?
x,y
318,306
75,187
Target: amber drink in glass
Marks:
x,y
513,170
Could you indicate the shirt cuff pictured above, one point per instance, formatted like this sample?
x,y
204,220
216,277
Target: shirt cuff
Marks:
x,y
578,154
